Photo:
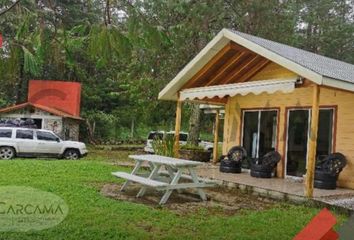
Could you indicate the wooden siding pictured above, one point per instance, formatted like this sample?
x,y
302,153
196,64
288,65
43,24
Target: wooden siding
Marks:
x,y
273,71
231,64
301,97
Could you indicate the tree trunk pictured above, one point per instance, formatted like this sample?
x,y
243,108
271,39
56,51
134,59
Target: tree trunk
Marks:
x,y
132,128
195,117
21,91
194,124
91,131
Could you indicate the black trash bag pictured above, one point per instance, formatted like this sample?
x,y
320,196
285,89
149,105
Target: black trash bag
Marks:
x,y
29,123
16,122
11,123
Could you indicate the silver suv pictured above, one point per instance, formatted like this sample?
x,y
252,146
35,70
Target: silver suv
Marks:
x,y
26,142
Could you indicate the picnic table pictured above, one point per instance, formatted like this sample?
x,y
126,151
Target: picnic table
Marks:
x,y
175,169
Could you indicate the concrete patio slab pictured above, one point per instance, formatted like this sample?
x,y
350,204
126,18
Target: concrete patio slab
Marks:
x,y
278,188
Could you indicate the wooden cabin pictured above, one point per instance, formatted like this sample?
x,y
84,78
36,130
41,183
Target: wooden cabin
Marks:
x,y
275,97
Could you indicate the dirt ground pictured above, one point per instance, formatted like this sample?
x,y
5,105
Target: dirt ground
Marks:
x,y
221,201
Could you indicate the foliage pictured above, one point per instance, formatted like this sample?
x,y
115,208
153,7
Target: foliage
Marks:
x,y
192,147
124,52
164,146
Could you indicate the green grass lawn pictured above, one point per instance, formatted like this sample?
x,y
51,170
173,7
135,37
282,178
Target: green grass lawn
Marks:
x,y
93,216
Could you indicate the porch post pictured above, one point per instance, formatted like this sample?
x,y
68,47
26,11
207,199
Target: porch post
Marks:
x,y
177,127
311,159
216,137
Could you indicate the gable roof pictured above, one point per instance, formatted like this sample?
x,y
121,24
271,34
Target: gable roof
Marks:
x,y
319,69
325,66
41,107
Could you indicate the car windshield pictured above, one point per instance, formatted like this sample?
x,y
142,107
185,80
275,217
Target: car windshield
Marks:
x,y
58,136
155,135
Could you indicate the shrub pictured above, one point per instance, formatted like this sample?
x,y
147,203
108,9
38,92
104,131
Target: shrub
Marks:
x,y
192,147
164,146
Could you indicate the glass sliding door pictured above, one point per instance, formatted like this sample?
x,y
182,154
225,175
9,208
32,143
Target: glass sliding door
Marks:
x,y
298,135
267,132
298,131
250,132
259,133
325,132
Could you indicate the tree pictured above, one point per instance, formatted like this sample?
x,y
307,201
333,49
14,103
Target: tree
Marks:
x,y
124,52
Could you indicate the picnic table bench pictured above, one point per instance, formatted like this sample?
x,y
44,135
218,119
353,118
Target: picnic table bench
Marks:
x,y
175,169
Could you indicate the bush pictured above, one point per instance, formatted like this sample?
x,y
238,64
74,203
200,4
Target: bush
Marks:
x,y
164,146
192,147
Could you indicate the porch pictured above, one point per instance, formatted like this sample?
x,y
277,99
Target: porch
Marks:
x,y
275,97
277,188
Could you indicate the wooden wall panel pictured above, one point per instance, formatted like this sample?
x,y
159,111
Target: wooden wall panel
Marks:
x,y
226,127
273,71
301,97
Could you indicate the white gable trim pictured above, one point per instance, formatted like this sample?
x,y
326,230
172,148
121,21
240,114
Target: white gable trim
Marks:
x,y
203,57
330,82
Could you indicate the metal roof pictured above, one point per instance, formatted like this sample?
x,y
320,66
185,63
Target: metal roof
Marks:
x,y
41,107
322,65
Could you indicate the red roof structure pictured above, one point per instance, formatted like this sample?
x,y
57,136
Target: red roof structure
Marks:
x,y
56,97
59,95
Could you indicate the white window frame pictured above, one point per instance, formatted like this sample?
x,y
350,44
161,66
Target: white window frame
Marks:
x,y
259,125
309,109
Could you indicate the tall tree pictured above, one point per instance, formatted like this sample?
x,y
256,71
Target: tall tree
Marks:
x,y
124,52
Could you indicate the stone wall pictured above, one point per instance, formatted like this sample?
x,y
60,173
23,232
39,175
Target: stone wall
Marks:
x,y
71,129
66,128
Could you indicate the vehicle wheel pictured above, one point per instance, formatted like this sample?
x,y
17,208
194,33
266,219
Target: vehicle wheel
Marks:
x,y
229,166
71,154
258,174
237,154
324,176
7,153
261,168
325,184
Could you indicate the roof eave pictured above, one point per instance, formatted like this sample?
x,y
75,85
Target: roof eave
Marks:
x,y
339,84
215,45
202,58
274,57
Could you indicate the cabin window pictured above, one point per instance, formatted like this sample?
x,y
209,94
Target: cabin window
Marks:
x,y
259,132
